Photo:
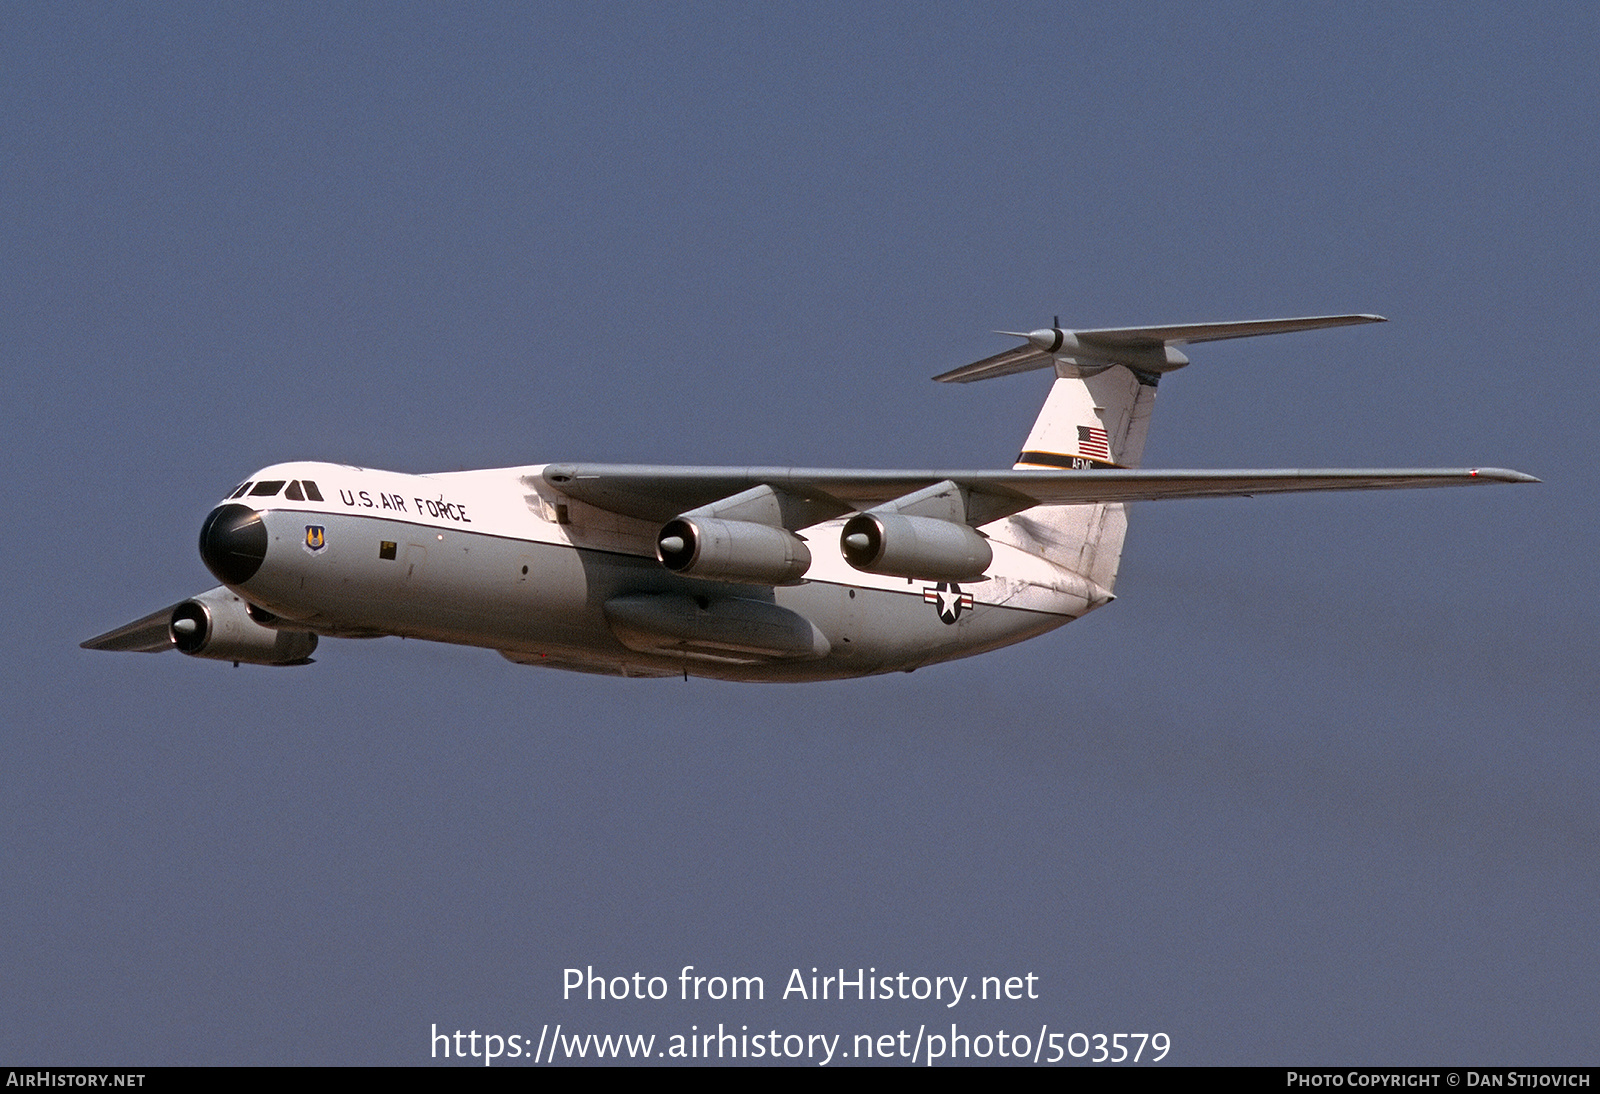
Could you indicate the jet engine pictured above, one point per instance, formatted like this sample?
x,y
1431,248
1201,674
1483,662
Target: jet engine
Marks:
x,y
914,547
223,627
732,550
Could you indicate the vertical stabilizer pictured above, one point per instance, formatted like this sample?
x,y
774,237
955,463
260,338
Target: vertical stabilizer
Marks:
x,y
1099,420
1096,417
1089,421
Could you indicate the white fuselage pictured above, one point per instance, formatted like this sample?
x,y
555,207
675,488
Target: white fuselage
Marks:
x,y
497,559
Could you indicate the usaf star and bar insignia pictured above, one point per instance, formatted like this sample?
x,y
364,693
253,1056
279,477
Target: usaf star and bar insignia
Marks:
x,y
949,600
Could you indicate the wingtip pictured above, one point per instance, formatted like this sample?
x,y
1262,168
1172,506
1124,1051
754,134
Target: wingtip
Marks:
x,y
1502,474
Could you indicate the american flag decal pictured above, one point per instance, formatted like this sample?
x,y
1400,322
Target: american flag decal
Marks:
x,y
1092,442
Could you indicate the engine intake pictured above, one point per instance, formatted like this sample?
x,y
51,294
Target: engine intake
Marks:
x,y
914,547
220,626
732,550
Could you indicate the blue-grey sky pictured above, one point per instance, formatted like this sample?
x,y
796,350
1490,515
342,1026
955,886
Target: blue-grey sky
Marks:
x,y
1318,788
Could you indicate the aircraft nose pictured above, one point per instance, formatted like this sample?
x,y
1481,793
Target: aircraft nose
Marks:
x,y
233,543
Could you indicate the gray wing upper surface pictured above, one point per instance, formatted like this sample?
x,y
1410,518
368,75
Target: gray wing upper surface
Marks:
x,y
662,493
152,634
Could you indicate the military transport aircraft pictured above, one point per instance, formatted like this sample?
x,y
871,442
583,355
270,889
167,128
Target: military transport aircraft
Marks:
x,y
742,573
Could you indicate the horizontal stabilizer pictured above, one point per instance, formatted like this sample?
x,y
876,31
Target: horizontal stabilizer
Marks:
x,y
1150,349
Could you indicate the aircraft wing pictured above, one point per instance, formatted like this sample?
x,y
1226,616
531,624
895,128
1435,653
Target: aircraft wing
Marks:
x,y
662,493
152,634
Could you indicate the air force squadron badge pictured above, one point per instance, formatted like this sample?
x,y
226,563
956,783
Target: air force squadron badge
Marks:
x,y
316,540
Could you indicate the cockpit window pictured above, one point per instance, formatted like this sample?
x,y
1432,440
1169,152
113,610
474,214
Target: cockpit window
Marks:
x,y
267,488
239,493
293,493
311,490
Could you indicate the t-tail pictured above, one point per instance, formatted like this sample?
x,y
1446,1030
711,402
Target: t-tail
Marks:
x,y
1097,416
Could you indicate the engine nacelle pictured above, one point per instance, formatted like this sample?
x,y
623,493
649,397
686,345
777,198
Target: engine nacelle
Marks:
x,y
914,547
732,550
223,627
